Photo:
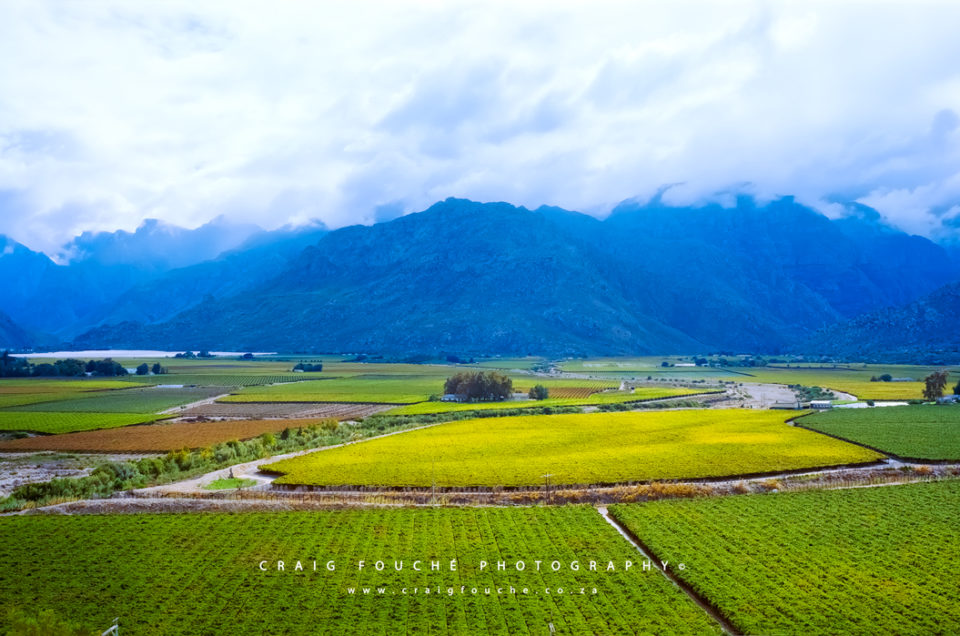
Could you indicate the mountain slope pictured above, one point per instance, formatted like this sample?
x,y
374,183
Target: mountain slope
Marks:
x,y
260,258
11,335
926,330
492,278
459,277
467,277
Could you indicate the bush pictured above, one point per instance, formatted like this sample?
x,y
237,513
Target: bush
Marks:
x,y
539,392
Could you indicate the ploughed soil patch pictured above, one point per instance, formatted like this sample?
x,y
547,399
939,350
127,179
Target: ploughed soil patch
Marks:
x,y
254,410
155,437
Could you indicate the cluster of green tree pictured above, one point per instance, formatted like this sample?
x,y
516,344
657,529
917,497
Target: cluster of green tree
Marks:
x,y
107,367
156,369
11,367
936,383
190,355
886,377
112,477
306,366
479,386
539,392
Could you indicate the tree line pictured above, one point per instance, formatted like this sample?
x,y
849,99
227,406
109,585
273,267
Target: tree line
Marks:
x,y
14,367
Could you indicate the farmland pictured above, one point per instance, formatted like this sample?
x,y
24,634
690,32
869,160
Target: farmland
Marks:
x,y
230,380
255,410
44,385
175,573
68,422
575,449
149,400
154,437
21,392
591,398
923,432
829,562
384,389
193,574
849,378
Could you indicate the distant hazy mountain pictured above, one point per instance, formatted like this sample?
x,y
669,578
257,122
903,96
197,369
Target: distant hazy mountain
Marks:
x,y
492,278
926,330
156,245
11,335
263,256
127,276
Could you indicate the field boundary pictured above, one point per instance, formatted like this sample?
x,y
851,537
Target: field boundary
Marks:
x,y
712,610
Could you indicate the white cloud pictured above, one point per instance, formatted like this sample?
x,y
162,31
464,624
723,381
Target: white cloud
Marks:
x,y
112,112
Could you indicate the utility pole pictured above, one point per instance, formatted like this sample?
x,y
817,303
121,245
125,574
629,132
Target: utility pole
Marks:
x,y
546,485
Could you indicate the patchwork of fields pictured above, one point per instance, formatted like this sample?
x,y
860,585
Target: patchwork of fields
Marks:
x,y
576,449
384,389
193,574
857,561
921,432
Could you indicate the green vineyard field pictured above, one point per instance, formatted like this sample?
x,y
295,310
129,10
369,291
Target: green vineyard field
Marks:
x,y
198,574
55,422
921,432
860,561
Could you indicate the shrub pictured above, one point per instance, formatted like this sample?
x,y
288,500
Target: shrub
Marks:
x,y
539,392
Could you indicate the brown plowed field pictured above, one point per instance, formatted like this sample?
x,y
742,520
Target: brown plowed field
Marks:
x,y
288,409
153,438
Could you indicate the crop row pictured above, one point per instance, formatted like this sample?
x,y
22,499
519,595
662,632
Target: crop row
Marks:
x,y
576,449
923,432
192,574
221,379
23,386
863,561
369,388
149,400
55,423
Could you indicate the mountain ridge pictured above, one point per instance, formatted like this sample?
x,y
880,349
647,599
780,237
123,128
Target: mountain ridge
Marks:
x,y
494,278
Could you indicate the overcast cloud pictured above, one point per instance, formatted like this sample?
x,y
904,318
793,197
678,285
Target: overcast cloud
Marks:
x,y
277,112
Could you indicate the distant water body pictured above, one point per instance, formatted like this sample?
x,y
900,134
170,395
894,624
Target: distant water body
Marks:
x,y
126,353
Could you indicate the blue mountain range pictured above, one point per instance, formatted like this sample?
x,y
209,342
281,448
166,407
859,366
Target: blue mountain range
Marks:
x,y
485,278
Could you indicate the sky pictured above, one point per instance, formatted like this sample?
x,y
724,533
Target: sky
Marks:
x,y
277,113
